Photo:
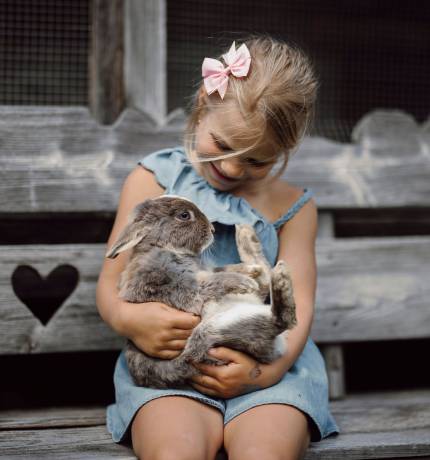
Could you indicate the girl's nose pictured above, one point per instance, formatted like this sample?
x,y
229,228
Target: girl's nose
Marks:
x,y
232,168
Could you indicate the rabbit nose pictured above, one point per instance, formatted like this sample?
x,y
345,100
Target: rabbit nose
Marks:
x,y
212,229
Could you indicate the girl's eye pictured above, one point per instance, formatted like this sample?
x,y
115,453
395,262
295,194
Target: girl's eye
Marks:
x,y
256,163
221,146
184,215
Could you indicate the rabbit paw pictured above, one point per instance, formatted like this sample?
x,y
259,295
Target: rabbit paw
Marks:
x,y
248,244
282,289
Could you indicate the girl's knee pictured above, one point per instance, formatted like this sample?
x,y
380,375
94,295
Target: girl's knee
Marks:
x,y
286,435
173,447
179,428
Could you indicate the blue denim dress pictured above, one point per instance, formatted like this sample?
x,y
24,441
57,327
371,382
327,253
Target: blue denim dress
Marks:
x,y
304,386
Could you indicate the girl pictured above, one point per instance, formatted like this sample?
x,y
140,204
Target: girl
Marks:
x,y
246,119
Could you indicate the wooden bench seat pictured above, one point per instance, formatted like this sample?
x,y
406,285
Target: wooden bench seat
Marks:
x,y
59,165
374,425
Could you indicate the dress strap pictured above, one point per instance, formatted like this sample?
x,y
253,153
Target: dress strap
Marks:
x,y
307,195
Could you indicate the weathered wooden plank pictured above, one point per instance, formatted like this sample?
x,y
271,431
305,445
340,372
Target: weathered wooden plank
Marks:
x,y
62,443
76,325
52,417
60,159
372,172
384,412
335,365
145,59
367,290
333,353
372,289
106,60
413,443
374,425
64,161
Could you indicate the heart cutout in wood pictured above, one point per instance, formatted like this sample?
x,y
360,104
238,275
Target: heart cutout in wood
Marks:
x,y
44,296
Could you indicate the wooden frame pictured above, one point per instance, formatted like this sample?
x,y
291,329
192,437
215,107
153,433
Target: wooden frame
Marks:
x,y
106,60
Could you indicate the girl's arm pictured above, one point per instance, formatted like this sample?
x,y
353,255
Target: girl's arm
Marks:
x,y
297,247
161,331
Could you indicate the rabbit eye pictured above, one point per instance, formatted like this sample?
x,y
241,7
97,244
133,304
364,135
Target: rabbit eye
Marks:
x,y
185,215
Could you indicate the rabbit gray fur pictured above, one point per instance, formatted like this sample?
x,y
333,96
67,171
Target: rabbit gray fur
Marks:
x,y
167,236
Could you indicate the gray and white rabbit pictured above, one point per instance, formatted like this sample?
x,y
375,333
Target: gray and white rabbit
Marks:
x,y
167,236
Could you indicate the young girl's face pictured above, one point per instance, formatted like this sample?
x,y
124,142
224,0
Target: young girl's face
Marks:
x,y
242,172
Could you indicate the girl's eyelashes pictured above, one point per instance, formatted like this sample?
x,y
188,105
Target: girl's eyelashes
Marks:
x,y
256,163
221,145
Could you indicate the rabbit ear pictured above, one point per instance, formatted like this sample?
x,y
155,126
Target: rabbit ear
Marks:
x,y
129,237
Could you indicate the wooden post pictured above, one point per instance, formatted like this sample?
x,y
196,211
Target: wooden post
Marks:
x,y
145,57
333,354
106,82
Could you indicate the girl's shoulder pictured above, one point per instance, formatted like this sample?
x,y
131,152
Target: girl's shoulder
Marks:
x,y
287,200
166,165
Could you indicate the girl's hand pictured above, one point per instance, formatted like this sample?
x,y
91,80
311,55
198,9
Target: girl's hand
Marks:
x,y
157,329
242,374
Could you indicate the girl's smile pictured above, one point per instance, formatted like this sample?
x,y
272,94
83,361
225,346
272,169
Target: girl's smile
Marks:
x,y
220,177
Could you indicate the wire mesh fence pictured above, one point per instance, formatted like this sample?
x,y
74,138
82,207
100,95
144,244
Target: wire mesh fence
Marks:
x,y
44,52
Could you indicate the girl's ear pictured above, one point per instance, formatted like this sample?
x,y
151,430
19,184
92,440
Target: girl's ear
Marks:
x,y
131,235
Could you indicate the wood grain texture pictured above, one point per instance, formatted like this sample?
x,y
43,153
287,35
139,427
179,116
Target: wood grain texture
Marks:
x,y
76,325
88,443
376,425
335,365
383,294
106,60
52,417
146,70
372,289
61,160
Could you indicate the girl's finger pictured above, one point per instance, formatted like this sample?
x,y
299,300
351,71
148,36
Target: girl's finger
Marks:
x,y
185,321
180,333
205,390
206,381
227,354
216,372
175,344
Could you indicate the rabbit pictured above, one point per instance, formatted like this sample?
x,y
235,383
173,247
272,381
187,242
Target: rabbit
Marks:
x,y
167,235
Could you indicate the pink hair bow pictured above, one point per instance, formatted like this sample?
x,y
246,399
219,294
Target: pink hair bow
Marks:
x,y
216,75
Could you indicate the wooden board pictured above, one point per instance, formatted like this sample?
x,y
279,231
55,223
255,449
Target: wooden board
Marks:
x,y
105,64
62,443
76,325
368,289
61,160
376,425
372,289
52,417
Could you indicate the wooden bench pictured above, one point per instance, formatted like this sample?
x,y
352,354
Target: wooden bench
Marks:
x,y
61,166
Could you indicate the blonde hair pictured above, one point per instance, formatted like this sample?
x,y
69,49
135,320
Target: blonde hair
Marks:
x,y
275,100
